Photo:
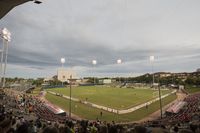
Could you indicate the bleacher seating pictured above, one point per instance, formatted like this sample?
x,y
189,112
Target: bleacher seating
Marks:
x,y
186,113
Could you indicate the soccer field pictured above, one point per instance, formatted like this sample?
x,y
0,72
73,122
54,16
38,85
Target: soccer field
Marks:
x,y
90,113
117,98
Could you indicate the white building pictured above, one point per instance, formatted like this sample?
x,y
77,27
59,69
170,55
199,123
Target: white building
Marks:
x,y
107,81
64,74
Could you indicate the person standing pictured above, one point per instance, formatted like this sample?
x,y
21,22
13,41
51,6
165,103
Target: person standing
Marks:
x,y
101,113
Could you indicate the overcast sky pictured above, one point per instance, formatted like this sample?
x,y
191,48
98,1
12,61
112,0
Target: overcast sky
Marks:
x,y
105,30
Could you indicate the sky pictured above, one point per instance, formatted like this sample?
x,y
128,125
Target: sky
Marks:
x,y
103,30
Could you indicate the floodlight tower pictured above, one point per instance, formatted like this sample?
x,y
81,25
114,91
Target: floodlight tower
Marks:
x,y
119,61
62,60
94,63
151,58
6,36
70,96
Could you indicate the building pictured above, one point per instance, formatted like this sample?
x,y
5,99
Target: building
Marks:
x,y
47,79
64,74
105,81
198,70
182,75
163,74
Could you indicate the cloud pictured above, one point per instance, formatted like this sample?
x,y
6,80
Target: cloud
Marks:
x,y
103,30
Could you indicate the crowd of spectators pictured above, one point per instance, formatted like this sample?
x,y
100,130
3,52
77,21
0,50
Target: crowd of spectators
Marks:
x,y
189,112
19,114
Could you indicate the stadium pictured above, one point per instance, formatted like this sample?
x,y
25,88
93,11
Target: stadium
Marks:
x,y
94,89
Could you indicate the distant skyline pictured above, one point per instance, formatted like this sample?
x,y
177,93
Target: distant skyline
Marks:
x,y
103,30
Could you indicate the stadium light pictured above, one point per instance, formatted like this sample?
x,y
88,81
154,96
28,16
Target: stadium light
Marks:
x,y
6,36
94,62
152,59
62,60
119,61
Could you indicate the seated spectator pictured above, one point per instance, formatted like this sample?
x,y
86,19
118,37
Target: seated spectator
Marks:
x,y
140,129
50,130
22,128
185,131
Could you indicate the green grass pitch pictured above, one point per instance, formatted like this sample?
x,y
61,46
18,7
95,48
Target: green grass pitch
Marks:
x,y
111,97
117,98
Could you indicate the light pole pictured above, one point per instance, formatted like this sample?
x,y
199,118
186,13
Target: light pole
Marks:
x,y
119,61
62,60
70,95
151,58
1,66
94,62
6,36
160,101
